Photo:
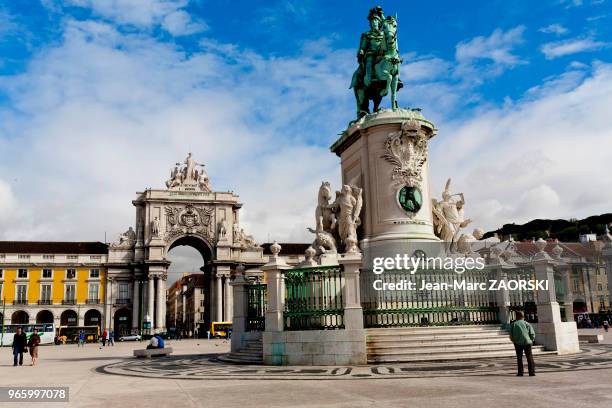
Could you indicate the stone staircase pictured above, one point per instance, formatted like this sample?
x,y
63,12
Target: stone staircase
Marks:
x,y
252,353
439,343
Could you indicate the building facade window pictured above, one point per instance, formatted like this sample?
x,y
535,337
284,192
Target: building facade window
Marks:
x,y
21,294
201,316
576,285
94,273
201,302
599,287
47,273
124,291
45,292
71,273
23,257
48,256
1,273
72,257
22,273
70,295
94,289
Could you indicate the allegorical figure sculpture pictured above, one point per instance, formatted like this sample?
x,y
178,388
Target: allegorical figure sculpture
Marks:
x,y
186,176
379,60
155,227
337,221
449,217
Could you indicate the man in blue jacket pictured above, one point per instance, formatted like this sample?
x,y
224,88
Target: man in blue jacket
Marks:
x,y
523,335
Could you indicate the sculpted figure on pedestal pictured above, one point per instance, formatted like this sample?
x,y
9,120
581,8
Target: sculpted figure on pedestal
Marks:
x,y
338,221
348,203
185,176
449,217
378,56
155,227
125,240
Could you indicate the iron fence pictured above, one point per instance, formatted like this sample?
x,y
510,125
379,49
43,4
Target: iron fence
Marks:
x,y
313,298
523,300
257,305
417,305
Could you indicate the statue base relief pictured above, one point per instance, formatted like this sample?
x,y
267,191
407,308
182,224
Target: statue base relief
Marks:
x,y
386,154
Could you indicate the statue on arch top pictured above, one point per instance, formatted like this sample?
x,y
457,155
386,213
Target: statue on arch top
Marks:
x,y
379,60
186,176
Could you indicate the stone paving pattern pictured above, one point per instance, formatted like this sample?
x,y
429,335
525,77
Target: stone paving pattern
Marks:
x,y
193,377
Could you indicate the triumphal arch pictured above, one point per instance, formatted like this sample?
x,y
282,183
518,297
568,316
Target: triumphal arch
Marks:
x,y
186,212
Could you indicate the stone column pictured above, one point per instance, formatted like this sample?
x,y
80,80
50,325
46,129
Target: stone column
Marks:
x,y
219,298
108,303
550,330
227,300
588,299
151,298
239,313
566,271
136,305
160,315
353,313
273,272
502,297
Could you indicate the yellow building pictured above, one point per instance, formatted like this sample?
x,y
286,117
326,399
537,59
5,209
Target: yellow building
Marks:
x,y
52,282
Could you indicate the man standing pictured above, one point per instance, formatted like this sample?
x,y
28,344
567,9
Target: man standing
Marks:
x,y
523,335
20,341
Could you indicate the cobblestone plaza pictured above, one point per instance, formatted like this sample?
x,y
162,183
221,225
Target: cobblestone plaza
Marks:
x,y
193,377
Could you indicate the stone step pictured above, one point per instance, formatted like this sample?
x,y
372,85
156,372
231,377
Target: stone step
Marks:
x,y
421,337
448,356
441,349
230,358
431,330
435,343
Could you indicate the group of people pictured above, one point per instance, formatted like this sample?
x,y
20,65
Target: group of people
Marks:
x,y
21,344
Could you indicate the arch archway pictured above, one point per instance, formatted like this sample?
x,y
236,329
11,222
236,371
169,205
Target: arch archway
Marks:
x,y
69,318
122,322
20,317
191,268
93,318
44,316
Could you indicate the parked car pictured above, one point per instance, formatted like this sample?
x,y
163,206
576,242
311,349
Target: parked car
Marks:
x,y
130,337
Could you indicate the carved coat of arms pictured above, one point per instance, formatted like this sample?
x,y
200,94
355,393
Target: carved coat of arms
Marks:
x,y
189,220
406,150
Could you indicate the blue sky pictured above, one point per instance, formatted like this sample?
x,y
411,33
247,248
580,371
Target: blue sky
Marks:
x,y
98,98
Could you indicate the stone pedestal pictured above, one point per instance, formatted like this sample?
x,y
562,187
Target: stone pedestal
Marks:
x,y
240,306
385,153
551,332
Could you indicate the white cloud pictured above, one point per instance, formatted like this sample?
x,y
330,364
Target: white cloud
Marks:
x,y
488,56
543,156
557,29
168,14
558,49
497,47
105,114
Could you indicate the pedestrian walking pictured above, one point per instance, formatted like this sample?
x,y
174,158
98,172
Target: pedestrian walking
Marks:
x,y
20,342
33,346
111,338
81,339
606,325
104,337
523,335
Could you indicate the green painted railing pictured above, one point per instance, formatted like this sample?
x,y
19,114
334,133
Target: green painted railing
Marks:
x,y
523,300
423,307
257,304
313,298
